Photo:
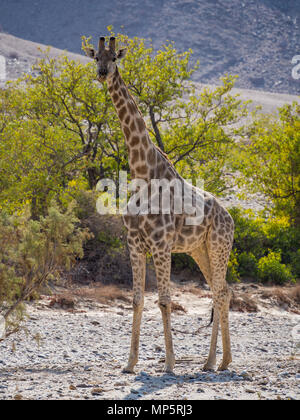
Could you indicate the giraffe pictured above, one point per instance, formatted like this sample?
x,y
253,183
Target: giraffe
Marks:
x,y
209,242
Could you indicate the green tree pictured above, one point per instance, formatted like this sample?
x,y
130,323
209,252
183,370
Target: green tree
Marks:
x,y
270,161
196,130
56,127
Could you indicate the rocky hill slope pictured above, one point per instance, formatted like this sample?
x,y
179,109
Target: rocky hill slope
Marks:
x,y
20,55
255,39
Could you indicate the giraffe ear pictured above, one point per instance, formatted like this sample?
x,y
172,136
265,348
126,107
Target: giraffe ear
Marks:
x,y
121,53
90,52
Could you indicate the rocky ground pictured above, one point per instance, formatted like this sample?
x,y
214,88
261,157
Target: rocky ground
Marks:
x,y
76,348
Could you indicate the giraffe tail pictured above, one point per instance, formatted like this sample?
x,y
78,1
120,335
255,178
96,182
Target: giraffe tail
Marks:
x,y
211,317
210,322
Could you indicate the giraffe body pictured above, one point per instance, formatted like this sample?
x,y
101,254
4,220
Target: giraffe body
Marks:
x,y
209,242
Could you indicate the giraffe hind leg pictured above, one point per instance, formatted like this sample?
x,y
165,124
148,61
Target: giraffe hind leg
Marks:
x,y
202,259
218,255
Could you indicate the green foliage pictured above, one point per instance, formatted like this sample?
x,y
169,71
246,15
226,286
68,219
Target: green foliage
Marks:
x,y
295,263
32,253
113,242
195,129
270,269
182,262
247,265
233,275
59,128
200,136
260,237
248,235
270,161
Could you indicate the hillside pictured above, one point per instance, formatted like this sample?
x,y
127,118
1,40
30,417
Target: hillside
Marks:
x,y
21,55
255,39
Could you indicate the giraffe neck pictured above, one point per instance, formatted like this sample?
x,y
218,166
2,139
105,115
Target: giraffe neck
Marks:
x,y
146,161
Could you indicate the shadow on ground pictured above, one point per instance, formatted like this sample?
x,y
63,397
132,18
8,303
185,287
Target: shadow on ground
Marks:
x,y
150,383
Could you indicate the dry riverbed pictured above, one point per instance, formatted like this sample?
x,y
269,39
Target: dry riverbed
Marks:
x,y
79,350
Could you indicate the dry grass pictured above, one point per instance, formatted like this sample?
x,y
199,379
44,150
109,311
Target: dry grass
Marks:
x,y
294,294
196,290
63,301
176,307
289,297
103,293
242,303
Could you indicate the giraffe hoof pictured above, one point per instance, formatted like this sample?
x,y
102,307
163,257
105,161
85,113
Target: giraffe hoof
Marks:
x,y
208,367
210,364
169,370
128,369
223,366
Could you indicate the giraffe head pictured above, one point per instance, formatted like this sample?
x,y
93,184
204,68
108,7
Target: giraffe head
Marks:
x,y
106,58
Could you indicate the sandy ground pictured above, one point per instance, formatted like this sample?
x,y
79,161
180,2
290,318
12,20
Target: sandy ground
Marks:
x,y
80,354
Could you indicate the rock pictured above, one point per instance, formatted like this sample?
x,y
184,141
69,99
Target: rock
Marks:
x,y
97,391
83,386
121,383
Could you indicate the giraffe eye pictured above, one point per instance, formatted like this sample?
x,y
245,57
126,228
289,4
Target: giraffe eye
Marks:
x,y
114,59
96,58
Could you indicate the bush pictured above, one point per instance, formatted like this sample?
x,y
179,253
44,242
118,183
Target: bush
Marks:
x,y
295,263
249,236
271,269
33,252
182,262
270,162
247,264
256,236
233,275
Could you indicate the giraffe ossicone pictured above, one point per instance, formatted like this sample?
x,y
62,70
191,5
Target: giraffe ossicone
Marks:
x,y
208,242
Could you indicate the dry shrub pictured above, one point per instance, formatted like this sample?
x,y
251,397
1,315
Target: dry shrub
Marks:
x,y
63,301
276,295
242,303
196,290
106,258
294,294
103,293
176,307
283,297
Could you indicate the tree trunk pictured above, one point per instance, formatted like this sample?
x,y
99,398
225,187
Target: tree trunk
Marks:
x,y
156,129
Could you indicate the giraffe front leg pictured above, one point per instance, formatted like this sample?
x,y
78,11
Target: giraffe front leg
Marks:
x,y
162,262
138,263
